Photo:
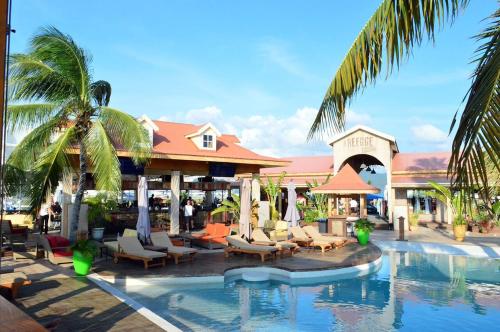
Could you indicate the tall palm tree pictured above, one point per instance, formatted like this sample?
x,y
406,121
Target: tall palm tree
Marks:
x,y
389,36
67,113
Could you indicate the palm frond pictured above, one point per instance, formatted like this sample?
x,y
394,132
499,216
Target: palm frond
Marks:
x,y
27,116
32,79
65,56
103,159
34,144
101,92
124,130
391,33
475,161
49,168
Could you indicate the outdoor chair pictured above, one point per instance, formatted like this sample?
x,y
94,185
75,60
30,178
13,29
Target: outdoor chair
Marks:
x,y
302,239
260,238
237,245
57,249
338,241
280,232
12,281
10,231
212,237
161,239
131,248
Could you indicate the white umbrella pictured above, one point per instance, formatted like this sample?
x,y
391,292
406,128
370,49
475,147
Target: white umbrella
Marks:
x,y
143,226
245,209
292,215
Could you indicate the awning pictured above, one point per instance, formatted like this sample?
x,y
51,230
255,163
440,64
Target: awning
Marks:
x,y
346,181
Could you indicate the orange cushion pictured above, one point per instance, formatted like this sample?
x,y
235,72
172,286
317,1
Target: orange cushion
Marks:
x,y
210,229
219,240
222,230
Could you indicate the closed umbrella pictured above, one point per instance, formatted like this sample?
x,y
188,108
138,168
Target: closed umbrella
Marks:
x,y
143,226
292,215
245,209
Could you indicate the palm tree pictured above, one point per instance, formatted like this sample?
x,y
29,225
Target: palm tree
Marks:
x,y
233,206
389,36
67,113
273,190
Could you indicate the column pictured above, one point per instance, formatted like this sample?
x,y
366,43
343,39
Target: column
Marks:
x,y
255,187
362,206
175,189
330,205
449,212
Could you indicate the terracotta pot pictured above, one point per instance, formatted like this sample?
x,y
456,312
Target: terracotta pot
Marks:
x,y
459,232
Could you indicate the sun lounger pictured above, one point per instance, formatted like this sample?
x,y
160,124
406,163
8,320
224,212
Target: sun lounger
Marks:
x,y
161,239
237,245
57,249
260,238
131,248
13,281
302,239
338,241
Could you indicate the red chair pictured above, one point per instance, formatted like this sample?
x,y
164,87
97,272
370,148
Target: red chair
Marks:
x,y
57,249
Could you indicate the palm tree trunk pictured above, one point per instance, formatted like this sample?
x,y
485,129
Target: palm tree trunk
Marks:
x,y
79,192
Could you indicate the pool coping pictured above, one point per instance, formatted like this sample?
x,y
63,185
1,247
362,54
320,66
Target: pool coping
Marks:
x,y
440,248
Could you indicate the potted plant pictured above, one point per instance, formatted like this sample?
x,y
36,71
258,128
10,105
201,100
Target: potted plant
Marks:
x,y
83,256
99,215
363,229
457,202
414,221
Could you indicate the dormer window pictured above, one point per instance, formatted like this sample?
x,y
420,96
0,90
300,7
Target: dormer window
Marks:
x,y
208,141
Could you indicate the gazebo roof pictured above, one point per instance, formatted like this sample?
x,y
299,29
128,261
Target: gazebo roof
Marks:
x,y
346,181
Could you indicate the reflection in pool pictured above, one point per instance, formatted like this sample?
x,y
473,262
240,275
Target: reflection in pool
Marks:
x,y
410,292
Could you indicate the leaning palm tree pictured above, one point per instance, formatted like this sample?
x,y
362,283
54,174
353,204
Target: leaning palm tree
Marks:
x,y
387,39
54,97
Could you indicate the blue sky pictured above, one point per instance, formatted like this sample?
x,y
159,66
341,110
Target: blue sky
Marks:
x,y
259,69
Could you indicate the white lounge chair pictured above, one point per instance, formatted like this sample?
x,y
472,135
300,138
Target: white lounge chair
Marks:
x,y
237,245
161,239
260,238
301,238
131,248
313,232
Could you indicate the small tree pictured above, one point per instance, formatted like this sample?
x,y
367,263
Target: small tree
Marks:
x,y
458,201
273,190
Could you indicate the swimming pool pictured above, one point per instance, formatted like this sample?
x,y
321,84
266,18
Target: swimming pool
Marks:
x,y
410,292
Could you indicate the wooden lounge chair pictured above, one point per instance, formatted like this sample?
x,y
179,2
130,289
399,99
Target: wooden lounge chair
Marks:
x,y
57,249
131,248
260,238
302,239
237,245
161,239
337,241
13,281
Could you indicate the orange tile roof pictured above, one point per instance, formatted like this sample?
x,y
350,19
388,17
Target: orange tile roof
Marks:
x,y
171,139
303,165
421,161
346,181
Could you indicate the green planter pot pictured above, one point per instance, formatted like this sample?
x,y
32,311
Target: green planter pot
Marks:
x,y
81,263
363,237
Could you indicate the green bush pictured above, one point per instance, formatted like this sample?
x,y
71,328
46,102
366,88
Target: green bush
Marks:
x,y
85,247
364,225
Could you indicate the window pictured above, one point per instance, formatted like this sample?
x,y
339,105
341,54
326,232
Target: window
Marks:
x,y
208,141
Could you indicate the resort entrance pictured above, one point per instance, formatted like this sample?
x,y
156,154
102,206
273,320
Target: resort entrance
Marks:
x,y
367,150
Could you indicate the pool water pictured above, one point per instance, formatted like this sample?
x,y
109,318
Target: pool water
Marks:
x,y
410,292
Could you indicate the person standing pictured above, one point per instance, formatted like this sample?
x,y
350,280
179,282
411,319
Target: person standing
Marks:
x,y
354,205
188,215
45,211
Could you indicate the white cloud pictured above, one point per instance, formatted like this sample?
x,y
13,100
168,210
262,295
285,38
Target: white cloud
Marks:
x,y
264,134
354,118
204,115
428,133
277,53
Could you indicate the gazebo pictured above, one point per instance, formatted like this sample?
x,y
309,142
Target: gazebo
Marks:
x,y
346,183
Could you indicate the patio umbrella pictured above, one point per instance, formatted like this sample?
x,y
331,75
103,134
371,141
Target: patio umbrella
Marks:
x,y
143,226
245,228
292,215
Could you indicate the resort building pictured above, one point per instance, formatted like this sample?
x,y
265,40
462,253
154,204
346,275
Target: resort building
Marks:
x,y
369,151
